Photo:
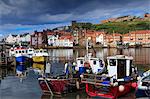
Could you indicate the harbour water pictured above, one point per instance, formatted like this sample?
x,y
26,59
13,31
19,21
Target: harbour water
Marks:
x,y
12,88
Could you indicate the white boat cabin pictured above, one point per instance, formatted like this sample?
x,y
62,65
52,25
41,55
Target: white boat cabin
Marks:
x,y
119,66
96,64
30,52
19,51
40,52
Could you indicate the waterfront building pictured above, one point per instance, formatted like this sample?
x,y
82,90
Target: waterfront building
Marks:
x,y
25,39
12,39
137,37
39,39
52,37
64,41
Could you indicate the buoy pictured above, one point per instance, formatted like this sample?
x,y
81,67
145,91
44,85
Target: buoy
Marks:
x,y
134,85
77,68
74,64
121,88
77,85
81,76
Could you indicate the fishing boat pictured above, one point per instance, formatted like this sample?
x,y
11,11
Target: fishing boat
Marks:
x,y
59,84
89,64
38,68
39,55
120,78
70,80
21,53
143,88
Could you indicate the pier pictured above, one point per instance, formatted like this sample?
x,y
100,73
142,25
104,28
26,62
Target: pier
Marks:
x,y
5,60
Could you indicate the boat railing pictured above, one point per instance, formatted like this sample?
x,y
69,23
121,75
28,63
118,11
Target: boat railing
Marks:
x,y
96,79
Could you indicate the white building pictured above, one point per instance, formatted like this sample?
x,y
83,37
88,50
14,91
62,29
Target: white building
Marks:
x,y
64,43
25,37
12,39
100,39
52,40
18,38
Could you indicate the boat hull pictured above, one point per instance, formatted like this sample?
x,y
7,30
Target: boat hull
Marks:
x,y
38,59
57,86
20,59
142,93
112,93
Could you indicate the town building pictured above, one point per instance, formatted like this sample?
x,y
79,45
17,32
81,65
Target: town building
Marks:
x,y
25,39
137,37
12,39
39,39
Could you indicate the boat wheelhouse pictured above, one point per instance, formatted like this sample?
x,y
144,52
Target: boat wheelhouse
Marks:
x,y
39,55
120,78
89,64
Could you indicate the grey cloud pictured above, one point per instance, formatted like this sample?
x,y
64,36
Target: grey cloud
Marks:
x,y
32,12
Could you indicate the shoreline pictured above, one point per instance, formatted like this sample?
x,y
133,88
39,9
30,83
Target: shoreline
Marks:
x,y
83,47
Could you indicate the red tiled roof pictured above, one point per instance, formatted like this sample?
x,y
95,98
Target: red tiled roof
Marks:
x,y
140,32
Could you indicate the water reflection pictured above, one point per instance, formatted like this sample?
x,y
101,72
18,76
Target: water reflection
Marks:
x,y
82,95
140,55
57,58
77,95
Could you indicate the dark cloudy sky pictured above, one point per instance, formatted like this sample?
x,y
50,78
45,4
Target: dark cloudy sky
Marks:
x,y
18,16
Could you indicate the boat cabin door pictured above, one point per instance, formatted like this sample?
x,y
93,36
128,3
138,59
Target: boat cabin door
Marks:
x,y
121,68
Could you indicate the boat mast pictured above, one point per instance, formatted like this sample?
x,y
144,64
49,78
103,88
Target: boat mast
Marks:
x,y
87,47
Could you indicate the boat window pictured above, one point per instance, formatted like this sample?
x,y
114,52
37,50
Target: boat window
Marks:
x,y
16,51
22,51
26,51
40,51
81,62
112,62
19,51
94,62
45,51
30,50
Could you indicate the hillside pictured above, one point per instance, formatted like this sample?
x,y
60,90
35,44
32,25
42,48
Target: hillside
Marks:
x,y
122,27
115,27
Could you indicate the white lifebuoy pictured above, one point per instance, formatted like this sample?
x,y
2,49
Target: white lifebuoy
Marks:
x,y
121,88
77,68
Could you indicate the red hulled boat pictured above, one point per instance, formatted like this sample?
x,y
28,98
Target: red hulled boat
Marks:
x,y
120,78
57,86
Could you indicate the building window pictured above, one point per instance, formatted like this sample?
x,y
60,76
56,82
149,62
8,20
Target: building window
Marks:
x,y
131,39
148,38
140,38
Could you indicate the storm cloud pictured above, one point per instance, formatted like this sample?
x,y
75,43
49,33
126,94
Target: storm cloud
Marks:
x,y
30,13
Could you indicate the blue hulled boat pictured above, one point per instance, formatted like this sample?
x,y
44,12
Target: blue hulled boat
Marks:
x,y
20,59
21,54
